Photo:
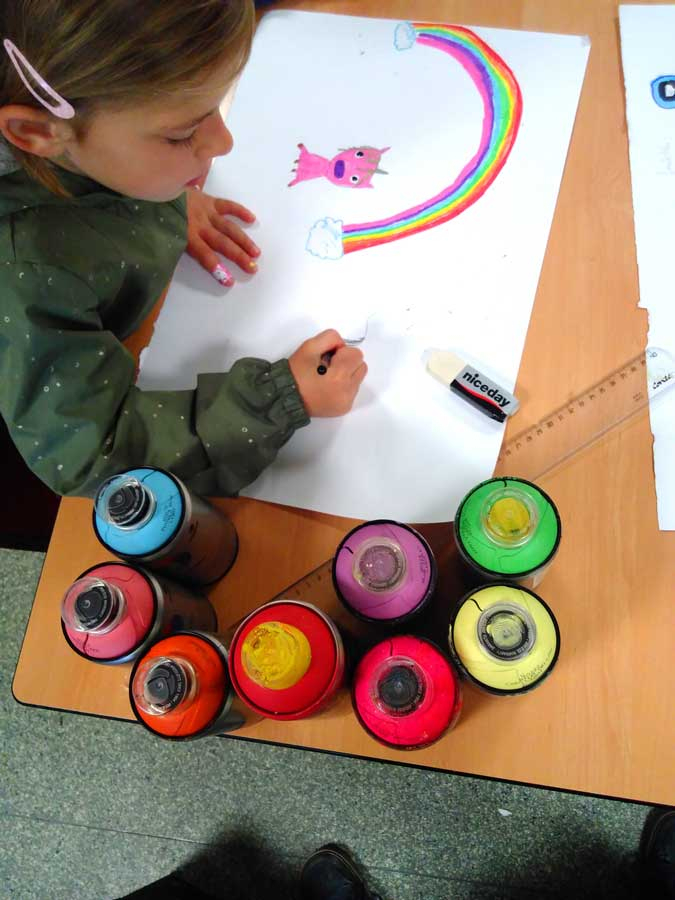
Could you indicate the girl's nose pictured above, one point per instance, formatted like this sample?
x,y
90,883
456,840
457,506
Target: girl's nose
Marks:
x,y
217,138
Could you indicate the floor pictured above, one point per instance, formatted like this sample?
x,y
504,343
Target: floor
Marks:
x,y
91,808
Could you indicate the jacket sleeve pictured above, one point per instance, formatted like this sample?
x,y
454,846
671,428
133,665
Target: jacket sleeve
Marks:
x,y
68,397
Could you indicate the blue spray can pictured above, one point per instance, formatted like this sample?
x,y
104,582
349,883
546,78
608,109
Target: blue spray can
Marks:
x,y
148,516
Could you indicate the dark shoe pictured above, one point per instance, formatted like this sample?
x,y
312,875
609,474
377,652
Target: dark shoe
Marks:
x,y
657,852
331,873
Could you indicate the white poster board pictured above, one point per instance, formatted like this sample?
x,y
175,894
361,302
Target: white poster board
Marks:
x,y
409,449
648,54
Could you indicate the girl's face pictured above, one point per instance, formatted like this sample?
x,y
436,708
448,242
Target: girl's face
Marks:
x,y
156,150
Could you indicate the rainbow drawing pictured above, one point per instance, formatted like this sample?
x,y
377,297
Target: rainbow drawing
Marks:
x,y
502,105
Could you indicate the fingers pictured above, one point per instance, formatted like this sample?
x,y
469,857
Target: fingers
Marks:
x,y
204,256
230,208
349,360
327,386
235,233
229,249
210,234
326,341
359,374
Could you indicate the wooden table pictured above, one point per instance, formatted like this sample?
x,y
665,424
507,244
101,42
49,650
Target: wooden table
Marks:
x,y
603,723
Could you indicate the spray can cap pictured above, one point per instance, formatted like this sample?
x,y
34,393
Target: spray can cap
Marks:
x,y
163,683
92,605
123,501
506,631
399,686
509,517
379,565
276,655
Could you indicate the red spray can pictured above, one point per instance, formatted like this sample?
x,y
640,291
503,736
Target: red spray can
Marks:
x,y
287,660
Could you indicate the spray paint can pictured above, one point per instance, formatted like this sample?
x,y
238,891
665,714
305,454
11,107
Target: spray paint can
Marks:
x,y
113,612
504,639
406,693
148,516
384,572
180,689
287,660
508,529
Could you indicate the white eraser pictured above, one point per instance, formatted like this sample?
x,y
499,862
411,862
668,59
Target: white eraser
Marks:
x,y
444,365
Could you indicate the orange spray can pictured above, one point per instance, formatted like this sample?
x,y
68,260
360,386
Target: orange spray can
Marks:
x,y
181,690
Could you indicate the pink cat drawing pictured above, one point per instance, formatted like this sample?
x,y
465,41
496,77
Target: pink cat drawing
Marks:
x,y
352,168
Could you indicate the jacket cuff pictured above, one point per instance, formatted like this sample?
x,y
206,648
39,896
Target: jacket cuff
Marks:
x,y
289,399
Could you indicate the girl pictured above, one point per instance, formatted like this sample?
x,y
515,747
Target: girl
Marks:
x,y
109,115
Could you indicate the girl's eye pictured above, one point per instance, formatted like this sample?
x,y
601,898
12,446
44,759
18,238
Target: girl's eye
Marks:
x,y
354,179
359,154
181,142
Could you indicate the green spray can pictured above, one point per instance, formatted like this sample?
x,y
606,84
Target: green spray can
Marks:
x,y
508,529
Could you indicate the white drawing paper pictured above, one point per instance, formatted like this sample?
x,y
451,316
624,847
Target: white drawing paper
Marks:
x,y
648,54
465,281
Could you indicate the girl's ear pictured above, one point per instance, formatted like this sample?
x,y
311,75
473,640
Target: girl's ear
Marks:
x,y
33,131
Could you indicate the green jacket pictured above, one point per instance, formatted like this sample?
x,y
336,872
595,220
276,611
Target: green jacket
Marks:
x,y
78,276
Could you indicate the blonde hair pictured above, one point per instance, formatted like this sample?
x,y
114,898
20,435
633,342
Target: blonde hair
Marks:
x,y
109,54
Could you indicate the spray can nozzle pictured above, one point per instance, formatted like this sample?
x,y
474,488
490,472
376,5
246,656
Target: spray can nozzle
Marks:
x,y
92,605
509,517
399,686
379,564
162,683
124,502
506,631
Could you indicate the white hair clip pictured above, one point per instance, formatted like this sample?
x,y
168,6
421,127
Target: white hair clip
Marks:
x,y
60,107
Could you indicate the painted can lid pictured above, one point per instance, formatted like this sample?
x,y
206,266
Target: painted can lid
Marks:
x,y
276,655
301,694
507,526
138,512
406,692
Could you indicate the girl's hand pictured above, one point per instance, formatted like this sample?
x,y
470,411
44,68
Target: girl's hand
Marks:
x,y
331,394
210,232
